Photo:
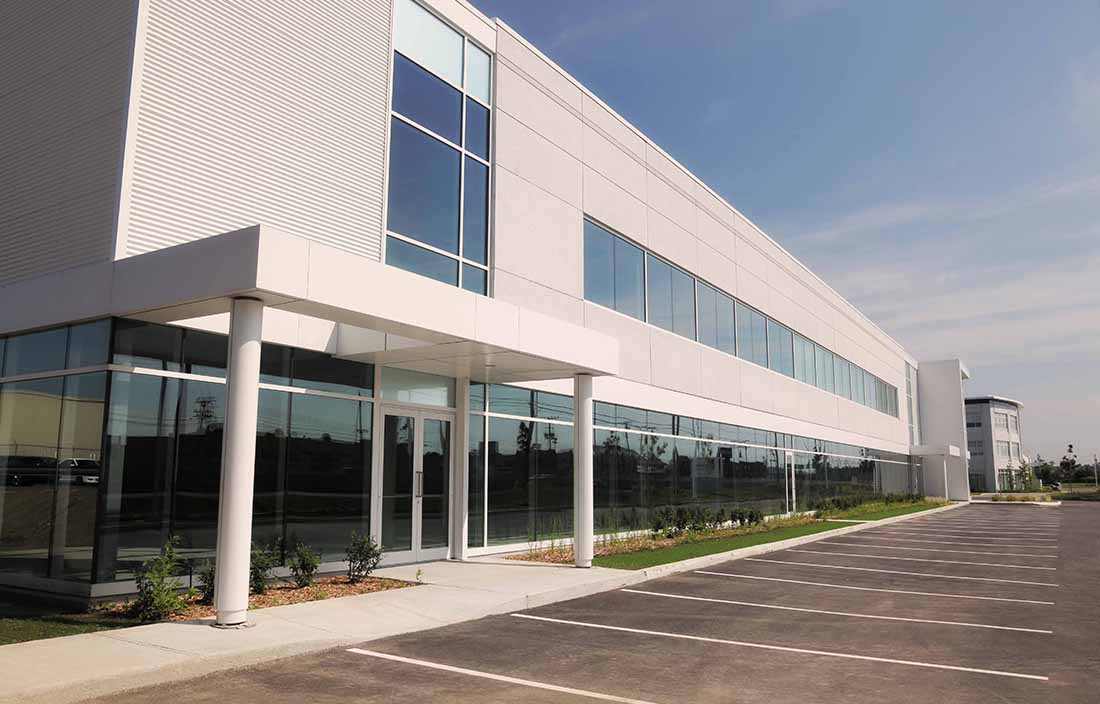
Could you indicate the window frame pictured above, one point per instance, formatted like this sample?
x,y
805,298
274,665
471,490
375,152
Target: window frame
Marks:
x,y
463,153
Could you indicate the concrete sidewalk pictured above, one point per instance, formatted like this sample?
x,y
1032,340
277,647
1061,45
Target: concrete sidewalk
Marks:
x,y
74,668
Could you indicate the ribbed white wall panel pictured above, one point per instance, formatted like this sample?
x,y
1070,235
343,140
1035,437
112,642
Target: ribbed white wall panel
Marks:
x,y
268,112
64,77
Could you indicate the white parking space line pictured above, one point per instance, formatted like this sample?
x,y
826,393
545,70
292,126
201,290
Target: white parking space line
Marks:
x,y
498,678
963,552
920,559
911,574
782,648
942,534
876,589
839,613
975,533
866,536
990,524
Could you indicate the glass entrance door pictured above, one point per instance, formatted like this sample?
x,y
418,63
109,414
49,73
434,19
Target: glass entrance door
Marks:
x,y
792,496
416,475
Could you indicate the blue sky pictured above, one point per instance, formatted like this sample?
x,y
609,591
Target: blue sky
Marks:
x,y
938,163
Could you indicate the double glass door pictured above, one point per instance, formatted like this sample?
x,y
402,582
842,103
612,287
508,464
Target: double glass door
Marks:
x,y
416,473
789,479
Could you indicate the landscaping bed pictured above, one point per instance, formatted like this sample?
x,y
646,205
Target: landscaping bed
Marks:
x,y
671,545
876,510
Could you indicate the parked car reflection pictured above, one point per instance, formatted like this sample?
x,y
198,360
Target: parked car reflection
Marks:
x,y
24,470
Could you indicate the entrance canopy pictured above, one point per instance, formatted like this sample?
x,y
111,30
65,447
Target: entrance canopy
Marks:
x,y
383,314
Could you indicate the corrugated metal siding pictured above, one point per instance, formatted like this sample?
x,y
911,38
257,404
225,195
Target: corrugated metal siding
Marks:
x,y
64,77
260,112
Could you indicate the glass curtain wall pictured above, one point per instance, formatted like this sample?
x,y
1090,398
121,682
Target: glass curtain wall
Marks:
x,y
51,434
164,439
644,461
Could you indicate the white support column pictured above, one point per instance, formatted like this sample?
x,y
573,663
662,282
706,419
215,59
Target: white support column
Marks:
x,y
238,462
460,492
583,523
946,491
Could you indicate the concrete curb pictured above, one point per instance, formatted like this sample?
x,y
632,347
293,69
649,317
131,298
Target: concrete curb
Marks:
x,y
1015,503
134,676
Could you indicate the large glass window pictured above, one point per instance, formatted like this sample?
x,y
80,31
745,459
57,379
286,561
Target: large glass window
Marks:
x,y
88,344
328,473
427,100
842,376
423,188
804,365
439,190
36,352
716,318
824,363
614,272
476,473
671,296
858,394
752,335
780,349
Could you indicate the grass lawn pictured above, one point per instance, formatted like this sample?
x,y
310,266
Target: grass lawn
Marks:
x,y
648,558
18,624
874,512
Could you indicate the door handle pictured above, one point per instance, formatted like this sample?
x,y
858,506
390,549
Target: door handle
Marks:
x,y
419,485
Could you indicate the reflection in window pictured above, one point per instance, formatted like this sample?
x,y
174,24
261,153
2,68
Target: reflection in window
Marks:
x,y
671,296
752,335
475,214
780,349
36,352
418,260
423,188
824,359
614,272
476,474
804,367
88,344
426,100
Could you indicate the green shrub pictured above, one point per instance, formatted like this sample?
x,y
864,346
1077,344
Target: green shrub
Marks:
x,y
263,560
208,577
303,562
754,516
158,594
363,556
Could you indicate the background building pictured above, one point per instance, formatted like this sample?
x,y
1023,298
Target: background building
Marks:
x,y
447,246
994,441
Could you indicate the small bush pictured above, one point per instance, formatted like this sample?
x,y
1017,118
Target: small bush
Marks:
x,y
303,562
158,594
263,560
754,516
363,556
208,577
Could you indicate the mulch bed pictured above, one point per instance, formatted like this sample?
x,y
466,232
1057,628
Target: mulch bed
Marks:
x,y
284,593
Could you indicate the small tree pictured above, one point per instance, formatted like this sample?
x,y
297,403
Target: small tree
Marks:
x,y
158,594
303,562
263,560
363,556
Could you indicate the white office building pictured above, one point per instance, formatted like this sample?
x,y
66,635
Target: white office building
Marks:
x,y
288,270
994,442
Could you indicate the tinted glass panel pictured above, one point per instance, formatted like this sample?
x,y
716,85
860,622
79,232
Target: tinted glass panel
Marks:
x,y
476,473
428,40
204,353
80,458
824,361
30,417
629,279
421,261
477,129
708,315
36,352
659,292
427,100
423,188
683,304
269,496
275,364
141,344
475,223
511,400
198,467
752,336
804,365
436,466
87,344
726,324
141,456
857,384
780,349
511,496
599,265
328,473
317,370
841,377
474,279
478,73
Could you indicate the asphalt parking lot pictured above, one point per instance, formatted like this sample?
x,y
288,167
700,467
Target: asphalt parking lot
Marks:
x,y
977,604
